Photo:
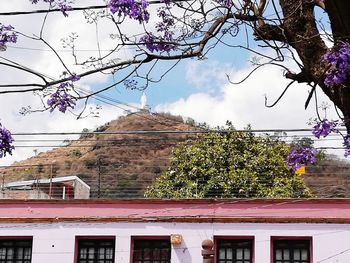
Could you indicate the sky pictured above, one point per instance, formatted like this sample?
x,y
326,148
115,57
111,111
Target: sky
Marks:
x,y
195,88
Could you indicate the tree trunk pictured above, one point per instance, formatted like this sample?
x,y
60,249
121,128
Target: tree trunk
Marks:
x,y
302,34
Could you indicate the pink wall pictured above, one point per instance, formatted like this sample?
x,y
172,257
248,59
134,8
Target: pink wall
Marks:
x,y
55,242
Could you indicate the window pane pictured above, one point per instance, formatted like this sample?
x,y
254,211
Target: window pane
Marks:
x,y
109,253
10,253
83,253
304,254
13,251
221,253
246,253
2,253
96,251
296,254
234,250
151,251
91,253
291,251
229,253
101,253
278,254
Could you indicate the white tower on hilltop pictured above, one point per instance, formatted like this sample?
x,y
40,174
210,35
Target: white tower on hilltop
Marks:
x,y
143,101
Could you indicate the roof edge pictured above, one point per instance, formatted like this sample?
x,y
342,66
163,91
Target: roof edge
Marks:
x,y
188,219
179,201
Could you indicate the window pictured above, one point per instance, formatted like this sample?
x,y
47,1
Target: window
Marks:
x,y
151,251
96,250
291,251
15,250
234,250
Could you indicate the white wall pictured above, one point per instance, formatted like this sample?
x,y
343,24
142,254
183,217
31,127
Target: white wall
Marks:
x,y
55,243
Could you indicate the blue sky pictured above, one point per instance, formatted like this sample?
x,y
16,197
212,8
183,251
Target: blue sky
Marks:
x,y
195,88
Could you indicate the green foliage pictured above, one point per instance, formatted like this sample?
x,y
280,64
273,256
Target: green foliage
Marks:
x,y
40,168
100,137
89,163
76,153
229,164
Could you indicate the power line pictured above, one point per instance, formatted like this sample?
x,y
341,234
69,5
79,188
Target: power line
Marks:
x,y
164,132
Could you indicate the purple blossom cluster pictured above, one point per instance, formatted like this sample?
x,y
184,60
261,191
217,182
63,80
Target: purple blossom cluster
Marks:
x,y
134,9
61,99
324,128
7,35
339,58
301,156
157,44
225,3
74,77
130,83
346,144
6,141
163,42
61,4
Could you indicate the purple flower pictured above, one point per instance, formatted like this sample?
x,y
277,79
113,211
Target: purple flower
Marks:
x,y
225,3
301,156
154,44
61,99
6,141
74,77
7,35
134,9
130,83
324,128
339,58
346,144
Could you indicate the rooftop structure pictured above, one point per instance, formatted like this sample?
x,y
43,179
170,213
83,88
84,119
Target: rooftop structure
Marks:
x,y
66,187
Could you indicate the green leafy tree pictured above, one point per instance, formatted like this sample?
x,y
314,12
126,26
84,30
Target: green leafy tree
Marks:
x,y
229,164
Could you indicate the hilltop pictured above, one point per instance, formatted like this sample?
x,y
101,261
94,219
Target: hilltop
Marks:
x,y
121,165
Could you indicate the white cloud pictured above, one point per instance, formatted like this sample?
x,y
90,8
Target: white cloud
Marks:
x,y
244,104
207,74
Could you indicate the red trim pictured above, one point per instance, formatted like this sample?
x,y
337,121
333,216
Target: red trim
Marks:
x,y
77,238
144,238
234,237
273,238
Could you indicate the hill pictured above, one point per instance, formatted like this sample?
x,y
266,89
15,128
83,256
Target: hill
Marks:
x,y
118,164
114,165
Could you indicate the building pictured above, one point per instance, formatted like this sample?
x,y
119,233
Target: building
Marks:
x,y
66,187
163,231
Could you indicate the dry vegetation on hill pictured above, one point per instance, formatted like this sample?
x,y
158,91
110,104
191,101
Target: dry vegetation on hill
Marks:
x,y
114,165
123,165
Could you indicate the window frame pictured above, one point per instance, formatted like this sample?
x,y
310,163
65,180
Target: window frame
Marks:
x,y
148,238
248,238
93,238
19,239
290,238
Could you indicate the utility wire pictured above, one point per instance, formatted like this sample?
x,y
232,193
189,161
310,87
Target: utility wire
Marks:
x,y
165,132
